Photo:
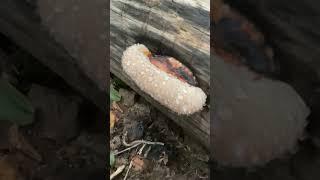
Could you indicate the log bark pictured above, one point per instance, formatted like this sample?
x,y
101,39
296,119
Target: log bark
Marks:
x,y
180,29
22,24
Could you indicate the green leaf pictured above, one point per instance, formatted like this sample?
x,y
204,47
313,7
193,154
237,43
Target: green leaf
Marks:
x,y
114,95
118,83
112,159
14,106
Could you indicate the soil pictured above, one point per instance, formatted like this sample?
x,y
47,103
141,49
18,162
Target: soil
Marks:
x,y
179,158
28,152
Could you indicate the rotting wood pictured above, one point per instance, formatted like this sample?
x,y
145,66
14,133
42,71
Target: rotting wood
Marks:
x,y
176,28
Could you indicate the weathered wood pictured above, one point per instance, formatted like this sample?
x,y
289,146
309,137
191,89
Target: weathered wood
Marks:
x,y
20,23
176,28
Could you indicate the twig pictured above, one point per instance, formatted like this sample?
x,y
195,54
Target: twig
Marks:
x,y
147,152
144,142
117,172
139,142
127,149
141,149
136,143
130,165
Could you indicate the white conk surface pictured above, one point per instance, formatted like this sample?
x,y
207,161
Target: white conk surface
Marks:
x,y
256,120
171,92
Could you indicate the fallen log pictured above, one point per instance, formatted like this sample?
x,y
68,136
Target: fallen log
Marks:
x,y
179,29
85,72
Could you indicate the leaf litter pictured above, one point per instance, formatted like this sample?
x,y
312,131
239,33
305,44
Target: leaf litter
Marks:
x,y
145,144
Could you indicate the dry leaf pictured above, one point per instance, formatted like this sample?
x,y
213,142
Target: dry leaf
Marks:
x,y
138,163
116,107
112,119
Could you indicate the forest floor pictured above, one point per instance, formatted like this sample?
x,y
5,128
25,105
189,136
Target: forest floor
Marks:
x,y
65,139
167,152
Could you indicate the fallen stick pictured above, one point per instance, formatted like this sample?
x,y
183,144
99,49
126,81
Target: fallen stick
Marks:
x,y
117,172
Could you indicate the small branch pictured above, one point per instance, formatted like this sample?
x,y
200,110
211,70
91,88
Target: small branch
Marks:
x,y
141,149
127,149
135,144
130,165
147,152
139,142
117,172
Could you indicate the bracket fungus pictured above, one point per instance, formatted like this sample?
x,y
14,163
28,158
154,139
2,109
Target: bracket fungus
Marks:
x,y
255,121
164,78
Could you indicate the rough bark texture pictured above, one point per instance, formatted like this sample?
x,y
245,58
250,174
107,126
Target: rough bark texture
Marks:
x,y
180,29
21,23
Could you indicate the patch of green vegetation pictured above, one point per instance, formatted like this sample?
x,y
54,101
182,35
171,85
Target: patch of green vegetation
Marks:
x,y
114,94
112,159
118,83
14,106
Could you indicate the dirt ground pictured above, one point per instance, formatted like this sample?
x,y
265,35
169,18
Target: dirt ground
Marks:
x,y
135,119
67,137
